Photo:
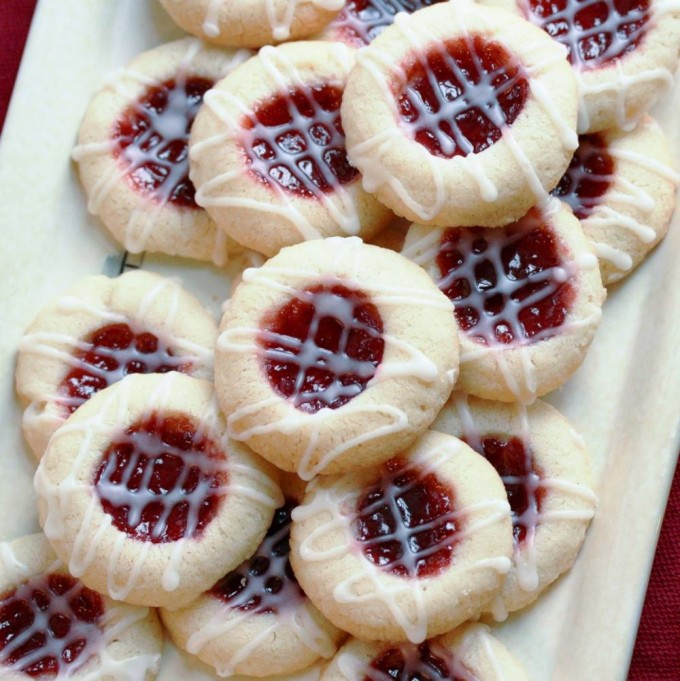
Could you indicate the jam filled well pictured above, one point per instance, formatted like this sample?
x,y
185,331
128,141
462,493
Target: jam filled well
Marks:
x,y
161,480
460,95
151,140
405,523
49,626
408,662
264,583
322,347
108,354
296,141
507,284
595,32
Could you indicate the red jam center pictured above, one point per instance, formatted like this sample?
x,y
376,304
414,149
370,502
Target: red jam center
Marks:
x,y
151,140
323,347
506,283
594,31
49,626
409,662
460,96
161,480
110,353
296,141
588,177
265,583
362,20
405,522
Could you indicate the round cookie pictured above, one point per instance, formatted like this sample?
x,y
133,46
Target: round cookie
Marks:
x,y
144,496
256,620
101,330
132,151
527,297
252,23
407,551
624,55
53,626
334,355
546,472
268,151
460,114
464,654
621,185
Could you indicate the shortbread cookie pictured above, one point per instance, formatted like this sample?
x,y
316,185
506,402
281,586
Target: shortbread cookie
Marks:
x,y
252,23
101,330
408,551
527,298
52,626
132,151
468,653
268,151
624,54
144,497
621,186
546,472
256,620
334,355
461,114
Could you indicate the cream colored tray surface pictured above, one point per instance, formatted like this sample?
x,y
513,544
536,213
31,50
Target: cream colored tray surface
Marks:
x,y
625,400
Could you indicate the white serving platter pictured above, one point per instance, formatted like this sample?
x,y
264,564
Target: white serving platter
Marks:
x,y
624,400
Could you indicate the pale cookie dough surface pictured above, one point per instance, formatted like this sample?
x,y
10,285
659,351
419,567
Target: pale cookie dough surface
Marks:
x,y
63,329
245,172
376,602
124,562
529,365
469,653
493,186
119,182
252,23
554,474
409,386
124,643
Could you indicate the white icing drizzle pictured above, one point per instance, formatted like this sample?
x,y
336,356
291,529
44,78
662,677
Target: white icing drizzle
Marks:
x,y
173,124
89,541
281,203
370,583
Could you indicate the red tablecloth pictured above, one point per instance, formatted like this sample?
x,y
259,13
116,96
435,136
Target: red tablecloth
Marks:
x,y
657,650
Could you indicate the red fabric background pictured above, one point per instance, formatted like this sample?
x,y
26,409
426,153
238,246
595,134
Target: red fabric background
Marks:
x,y
657,650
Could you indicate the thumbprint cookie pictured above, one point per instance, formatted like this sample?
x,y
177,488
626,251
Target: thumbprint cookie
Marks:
x,y
252,23
546,472
408,550
527,298
133,157
100,331
53,627
461,114
621,186
144,497
469,653
333,355
268,151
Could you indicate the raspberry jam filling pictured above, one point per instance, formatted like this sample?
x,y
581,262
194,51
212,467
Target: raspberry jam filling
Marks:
x,y
405,522
588,177
362,20
49,626
151,140
507,284
408,662
161,480
594,32
265,583
460,95
296,141
322,347
108,354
